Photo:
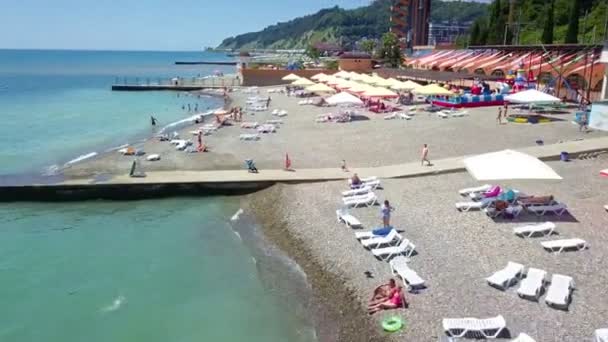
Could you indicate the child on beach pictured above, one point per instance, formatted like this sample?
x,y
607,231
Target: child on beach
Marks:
x,y
386,213
499,117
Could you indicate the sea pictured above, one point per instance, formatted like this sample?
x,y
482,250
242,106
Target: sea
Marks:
x,y
176,269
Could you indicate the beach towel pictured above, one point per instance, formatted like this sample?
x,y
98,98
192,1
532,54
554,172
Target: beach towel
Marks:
x,y
383,231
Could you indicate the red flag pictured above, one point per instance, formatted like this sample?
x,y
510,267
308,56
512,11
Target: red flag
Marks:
x,y
287,162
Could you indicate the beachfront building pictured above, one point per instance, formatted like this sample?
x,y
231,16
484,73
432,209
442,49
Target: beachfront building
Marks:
x,y
566,70
356,61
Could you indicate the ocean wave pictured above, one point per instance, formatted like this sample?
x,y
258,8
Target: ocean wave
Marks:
x,y
236,215
81,158
116,304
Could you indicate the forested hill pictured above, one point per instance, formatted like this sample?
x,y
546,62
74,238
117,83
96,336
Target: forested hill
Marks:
x,y
345,26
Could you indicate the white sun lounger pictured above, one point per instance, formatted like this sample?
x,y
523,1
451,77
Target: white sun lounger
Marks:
x,y
561,245
601,335
523,337
368,234
360,191
153,157
275,112
459,114
404,116
267,128
405,247
488,327
532,285
558,294
378,241
390,116
399,267
540,210
249,125
606,207
345,217
249,137
478,189
507,276
274,121
545,229
466,206
442,115
361,201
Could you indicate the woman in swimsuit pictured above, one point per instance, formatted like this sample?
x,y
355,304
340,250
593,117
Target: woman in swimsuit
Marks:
x,y
395,300
383,292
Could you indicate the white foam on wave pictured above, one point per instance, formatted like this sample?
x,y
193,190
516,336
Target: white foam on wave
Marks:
x,y
186,120
116,304
81,158
238,235
237,215
116,148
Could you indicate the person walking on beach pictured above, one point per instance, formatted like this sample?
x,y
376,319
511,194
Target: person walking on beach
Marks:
x,y
153,120
385,210
425,155
343,167
499,117
582,124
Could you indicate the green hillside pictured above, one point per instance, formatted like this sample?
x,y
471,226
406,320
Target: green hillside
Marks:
x,y
336,25
542,21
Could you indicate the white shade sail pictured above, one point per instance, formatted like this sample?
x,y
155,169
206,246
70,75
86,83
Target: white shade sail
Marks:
x,y
290,77
531,96
343,98
508,164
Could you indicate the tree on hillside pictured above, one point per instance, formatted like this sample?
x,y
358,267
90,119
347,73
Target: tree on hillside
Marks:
x,y
475,35
312,52
572,32
547,37
390,51
368,45
496,27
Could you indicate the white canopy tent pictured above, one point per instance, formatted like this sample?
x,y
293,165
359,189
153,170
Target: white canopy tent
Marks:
x,y
531,96
508,164
343,99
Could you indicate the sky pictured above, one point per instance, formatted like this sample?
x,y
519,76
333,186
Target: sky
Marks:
x,y
172,25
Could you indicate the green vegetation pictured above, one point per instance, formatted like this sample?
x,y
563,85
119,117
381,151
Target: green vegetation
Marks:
x,y
390,51
556,21
345,27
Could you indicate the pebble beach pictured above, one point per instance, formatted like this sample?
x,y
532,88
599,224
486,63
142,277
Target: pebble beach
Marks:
x,y
455,251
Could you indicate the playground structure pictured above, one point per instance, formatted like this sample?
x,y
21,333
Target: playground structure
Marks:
x,y
571,71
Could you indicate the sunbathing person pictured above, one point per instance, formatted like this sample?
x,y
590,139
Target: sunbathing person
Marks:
x,y
355,180
539,200
395,300
382,292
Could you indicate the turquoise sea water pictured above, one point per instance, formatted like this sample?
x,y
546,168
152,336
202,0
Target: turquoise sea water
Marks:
x,y
58,105
156,270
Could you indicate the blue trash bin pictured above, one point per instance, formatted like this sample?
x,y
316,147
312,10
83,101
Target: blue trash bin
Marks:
x,y
564,156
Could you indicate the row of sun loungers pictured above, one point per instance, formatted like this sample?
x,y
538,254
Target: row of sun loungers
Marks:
x,y
532,286
365,200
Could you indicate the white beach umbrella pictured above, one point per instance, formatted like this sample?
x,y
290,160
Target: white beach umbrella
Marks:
x,y
320,88
304,82
379,92
407,85
291,77
343,99
531,96
319,77
508,164
342,74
